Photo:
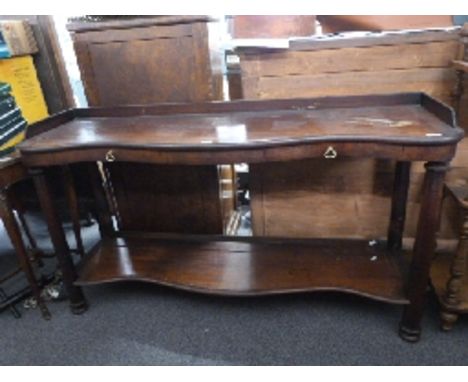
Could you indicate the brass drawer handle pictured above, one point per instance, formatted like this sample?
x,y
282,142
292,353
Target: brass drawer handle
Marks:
x,y
110,157
330,153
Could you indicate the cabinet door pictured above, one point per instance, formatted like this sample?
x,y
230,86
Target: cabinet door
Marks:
x,y
145,65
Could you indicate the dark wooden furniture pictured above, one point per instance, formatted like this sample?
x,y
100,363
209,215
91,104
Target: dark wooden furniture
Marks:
x,y
449,272
143,61
12,171
416,128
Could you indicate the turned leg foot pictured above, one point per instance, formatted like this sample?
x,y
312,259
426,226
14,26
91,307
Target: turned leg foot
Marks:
x,y
79,308
423,250
409,334
448,319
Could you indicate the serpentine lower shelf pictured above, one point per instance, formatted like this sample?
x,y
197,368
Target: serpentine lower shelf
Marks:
x,y
250,266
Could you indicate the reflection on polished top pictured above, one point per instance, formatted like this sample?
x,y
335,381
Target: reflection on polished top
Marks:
x,y
402,123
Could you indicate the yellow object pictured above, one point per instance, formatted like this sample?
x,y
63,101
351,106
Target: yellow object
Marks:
x,y
8,146
21,74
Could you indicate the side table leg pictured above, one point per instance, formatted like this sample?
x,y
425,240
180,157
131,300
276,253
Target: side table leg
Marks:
x,y
423,250
457,272
78,303
72,200
399,197
11,226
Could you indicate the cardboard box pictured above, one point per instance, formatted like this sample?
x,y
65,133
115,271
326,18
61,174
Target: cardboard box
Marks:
x,y
16,39
21,74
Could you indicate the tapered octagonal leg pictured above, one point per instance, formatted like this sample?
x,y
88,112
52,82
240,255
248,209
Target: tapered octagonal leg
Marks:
x,y
398,213
424,245
78,303
72,200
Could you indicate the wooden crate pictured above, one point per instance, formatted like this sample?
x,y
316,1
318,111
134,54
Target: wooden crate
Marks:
x,y
345,198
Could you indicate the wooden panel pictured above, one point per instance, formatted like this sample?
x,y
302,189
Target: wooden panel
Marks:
x,y
272,26
251,267
377,58
103,23
144,84
132,34
282,192
430,80
339,23
146,65
167,198
340,198
344,40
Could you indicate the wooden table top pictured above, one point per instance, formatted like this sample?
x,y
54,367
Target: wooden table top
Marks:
x,y
9,160
11,170
240,128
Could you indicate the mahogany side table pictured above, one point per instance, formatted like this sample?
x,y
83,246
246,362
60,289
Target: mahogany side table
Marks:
x,y
402,127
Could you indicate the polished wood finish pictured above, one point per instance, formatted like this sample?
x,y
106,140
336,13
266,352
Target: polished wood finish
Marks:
x,y
423,250
399,202
256,132
405,127
250,266
449,273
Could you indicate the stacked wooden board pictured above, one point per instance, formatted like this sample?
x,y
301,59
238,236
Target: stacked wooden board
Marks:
x,y
345,65
342,197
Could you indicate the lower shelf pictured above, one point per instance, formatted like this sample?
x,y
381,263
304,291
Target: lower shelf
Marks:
x,y
250,266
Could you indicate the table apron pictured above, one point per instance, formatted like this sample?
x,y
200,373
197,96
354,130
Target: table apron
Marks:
x,y
326,150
